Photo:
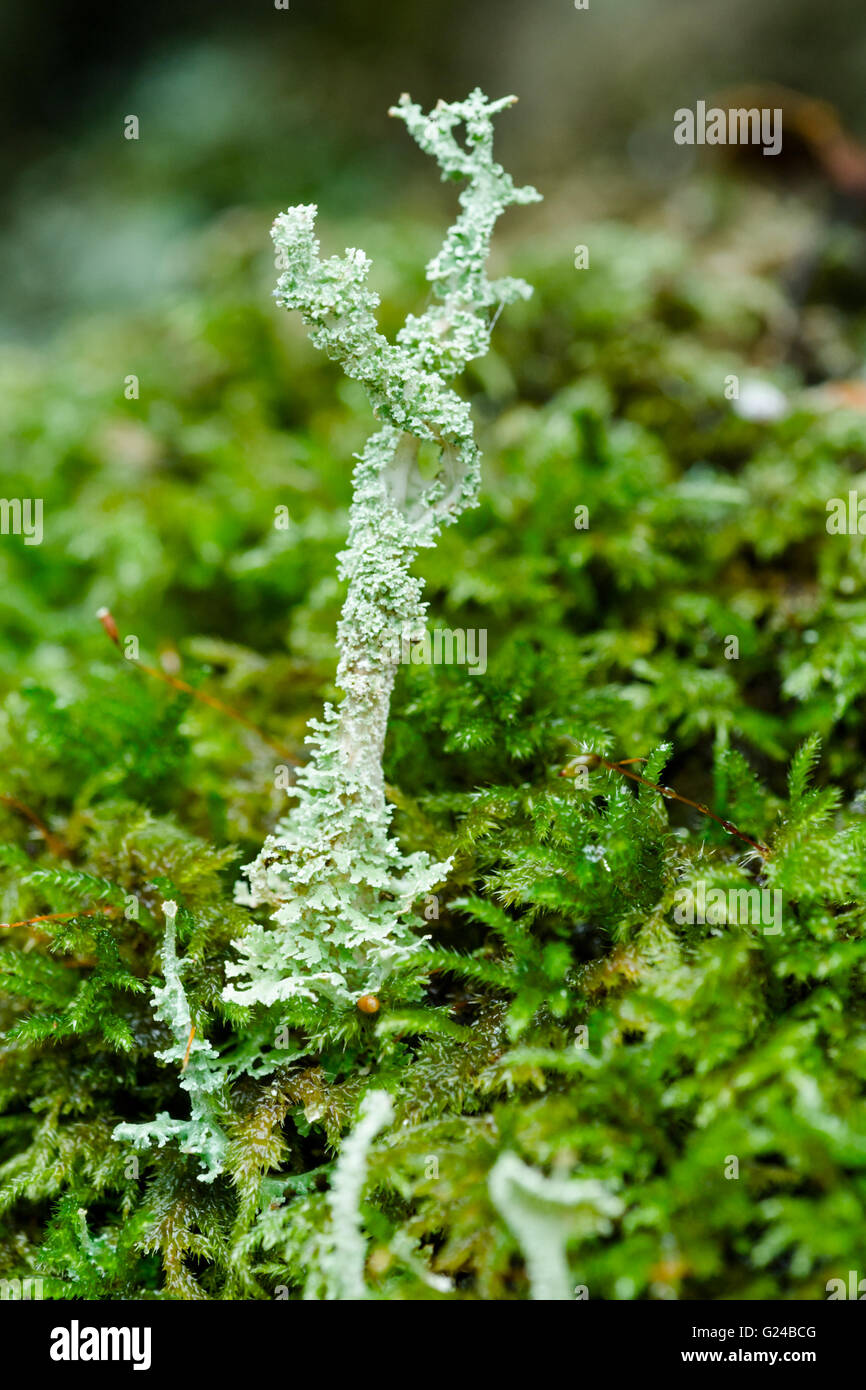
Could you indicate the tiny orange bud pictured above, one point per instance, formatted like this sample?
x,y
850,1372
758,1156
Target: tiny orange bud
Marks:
x,y
104,616
368,1004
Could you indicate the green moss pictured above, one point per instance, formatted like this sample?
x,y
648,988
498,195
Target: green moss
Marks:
x,y
565,1015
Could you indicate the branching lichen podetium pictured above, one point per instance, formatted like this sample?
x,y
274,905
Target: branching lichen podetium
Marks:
x,y
340,887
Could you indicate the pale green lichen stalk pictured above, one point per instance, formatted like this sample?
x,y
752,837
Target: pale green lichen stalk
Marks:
x,y
345,1256
544,1213
201,1072
341,890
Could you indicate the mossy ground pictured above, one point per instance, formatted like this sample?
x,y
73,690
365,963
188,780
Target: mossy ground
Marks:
x,y
705,1042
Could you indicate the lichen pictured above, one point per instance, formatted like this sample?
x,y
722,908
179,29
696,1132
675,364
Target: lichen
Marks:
x,y
201,1072
544,1212
341,889
346,1248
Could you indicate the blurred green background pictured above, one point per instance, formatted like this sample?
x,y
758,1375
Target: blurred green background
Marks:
x,y
243,106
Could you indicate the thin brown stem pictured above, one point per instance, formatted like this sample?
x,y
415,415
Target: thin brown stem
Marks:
x,y
591,760
176,683
188,1048
54,843
216,704
58,917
